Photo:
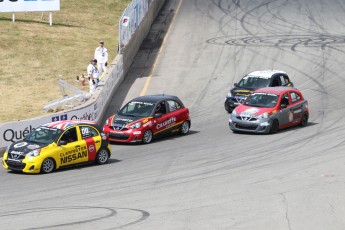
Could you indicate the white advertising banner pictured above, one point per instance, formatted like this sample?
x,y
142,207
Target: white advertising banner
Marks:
x,y
14,131
29,5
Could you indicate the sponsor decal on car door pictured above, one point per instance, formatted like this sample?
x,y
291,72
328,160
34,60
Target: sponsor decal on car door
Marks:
x,y
72,153
164,123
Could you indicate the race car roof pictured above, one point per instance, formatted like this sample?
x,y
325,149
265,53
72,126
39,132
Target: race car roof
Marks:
x,y
68,123
156,98
275,90
266,73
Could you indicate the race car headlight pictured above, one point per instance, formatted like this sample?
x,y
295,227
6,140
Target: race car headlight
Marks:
x,y
135,125
229,95
107,122
34,153
263,116
234,113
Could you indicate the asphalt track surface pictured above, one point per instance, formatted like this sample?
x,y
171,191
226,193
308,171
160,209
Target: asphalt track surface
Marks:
x,y
213,178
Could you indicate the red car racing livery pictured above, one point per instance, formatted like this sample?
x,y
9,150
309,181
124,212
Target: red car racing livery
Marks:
x,y
143,118
269,109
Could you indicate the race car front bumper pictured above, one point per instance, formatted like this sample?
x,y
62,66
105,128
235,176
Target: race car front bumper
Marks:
x,y
125,136
25,166
250,125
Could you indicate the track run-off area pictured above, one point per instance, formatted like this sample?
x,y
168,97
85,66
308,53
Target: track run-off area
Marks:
x,y
212,179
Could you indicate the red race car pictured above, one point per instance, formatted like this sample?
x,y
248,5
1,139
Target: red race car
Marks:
x,y
146,117
269,109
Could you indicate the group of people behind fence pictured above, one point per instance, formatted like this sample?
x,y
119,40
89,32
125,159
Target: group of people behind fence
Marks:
x,y
97,66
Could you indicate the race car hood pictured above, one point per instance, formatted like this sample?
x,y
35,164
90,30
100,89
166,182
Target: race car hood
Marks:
x,y
248,111
240,94
120,121
24,147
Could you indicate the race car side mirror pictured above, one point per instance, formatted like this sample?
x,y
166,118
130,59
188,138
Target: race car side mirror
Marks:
x,y
62,143
235,84
157,115
283,106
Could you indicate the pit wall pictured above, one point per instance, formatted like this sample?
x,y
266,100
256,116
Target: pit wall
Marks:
x,y
96,106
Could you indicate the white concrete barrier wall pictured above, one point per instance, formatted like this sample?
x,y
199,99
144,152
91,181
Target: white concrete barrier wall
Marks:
x,y
95,107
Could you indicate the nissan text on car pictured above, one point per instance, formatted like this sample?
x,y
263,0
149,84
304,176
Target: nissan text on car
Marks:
x,y
269,109
253,81
57,144
146,117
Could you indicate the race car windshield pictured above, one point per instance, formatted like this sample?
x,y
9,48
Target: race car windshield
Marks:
x,y
137,109
43,135
254,82
262,100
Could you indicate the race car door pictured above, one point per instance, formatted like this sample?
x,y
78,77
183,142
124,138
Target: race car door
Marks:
x,y
296,107
285,116
93,140
178,113
73,150
163,119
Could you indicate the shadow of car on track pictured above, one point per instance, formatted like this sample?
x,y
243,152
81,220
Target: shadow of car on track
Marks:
x,y
289,129
71,167
160,138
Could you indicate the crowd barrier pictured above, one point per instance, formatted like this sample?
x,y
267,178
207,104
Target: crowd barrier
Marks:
x,y
95,107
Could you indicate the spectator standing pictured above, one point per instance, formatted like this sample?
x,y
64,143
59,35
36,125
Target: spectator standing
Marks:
x,y
92,73
101,54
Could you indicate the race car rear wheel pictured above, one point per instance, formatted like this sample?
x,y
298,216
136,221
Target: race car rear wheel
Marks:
x,y
147,137
48,165
102,156
185,128
304,121
274,126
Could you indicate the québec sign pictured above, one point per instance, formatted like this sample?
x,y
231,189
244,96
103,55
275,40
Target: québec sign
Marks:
x,y
29,5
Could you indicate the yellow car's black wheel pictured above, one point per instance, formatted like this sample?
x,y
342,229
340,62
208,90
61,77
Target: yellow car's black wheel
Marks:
x,y
48,165
102,156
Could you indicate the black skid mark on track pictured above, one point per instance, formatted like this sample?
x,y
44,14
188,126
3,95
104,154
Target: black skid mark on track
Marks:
x,y
288,41
110,213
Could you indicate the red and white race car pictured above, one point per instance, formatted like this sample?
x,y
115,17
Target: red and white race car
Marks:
x,y
146,117
269,109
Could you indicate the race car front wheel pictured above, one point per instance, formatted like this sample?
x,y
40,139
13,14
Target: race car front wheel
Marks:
x,y
102,156
185,128
274,126
147,137
48,165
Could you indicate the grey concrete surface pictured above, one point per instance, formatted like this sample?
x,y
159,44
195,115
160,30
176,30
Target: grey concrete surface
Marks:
x,y
213,178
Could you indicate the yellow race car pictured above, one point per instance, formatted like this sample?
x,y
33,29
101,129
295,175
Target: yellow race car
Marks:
x,y
58,144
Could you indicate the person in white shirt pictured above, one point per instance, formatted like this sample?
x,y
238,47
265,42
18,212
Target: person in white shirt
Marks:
x,y
93,74
101,54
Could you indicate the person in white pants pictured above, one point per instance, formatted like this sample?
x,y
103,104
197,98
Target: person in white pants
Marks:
x,y
101,54
92,73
